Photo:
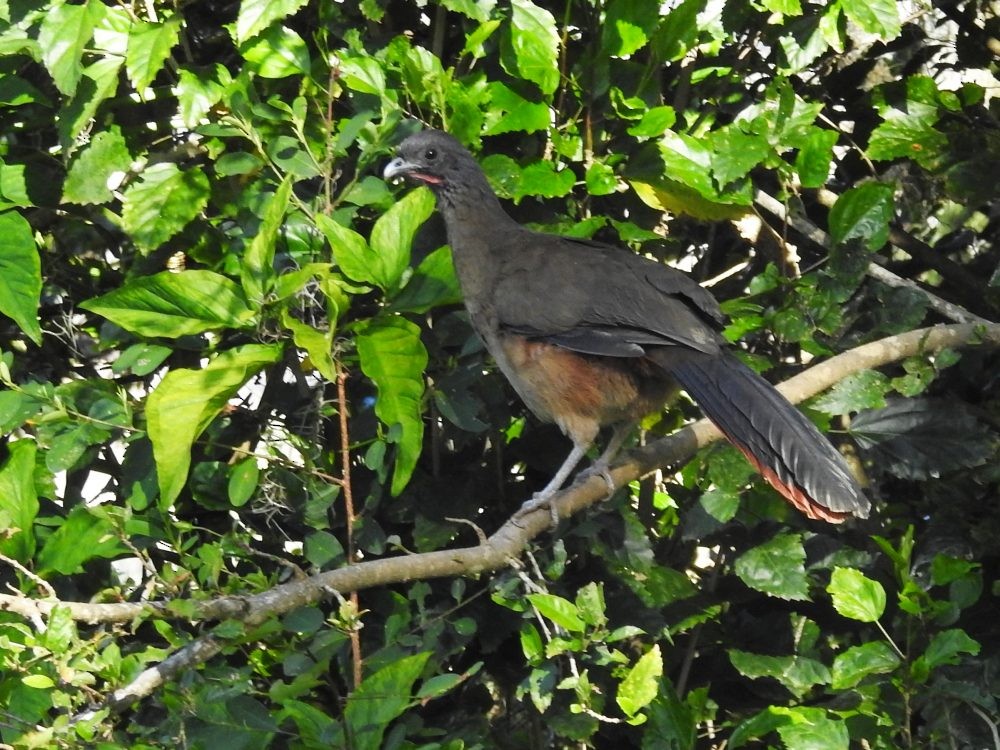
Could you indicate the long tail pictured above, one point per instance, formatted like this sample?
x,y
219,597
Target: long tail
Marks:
x,y
784,446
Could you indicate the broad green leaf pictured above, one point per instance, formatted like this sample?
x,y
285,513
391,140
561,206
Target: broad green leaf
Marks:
x,y
591,606
478,10
322,547
784,7
654,122
946,646
392,235
379,699
198,91
641,683
909,134
600,179
89,175
542,179
534,43
243,479
679,31
38,681
432,284
20,274
865,389
350,251
63,36
812,729
561,611
141,359
162,202
776,567
864,213
149,46
394,358
257,15
627,26
797,673
509,112
276,53
18,500
735,153
13,187
855,595
879,17
83,536
853,665
175,304
688,161
16,407
257,269
314,342
186,401
99,82
814,157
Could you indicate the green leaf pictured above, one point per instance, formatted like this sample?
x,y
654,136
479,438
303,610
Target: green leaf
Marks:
x,y
776,567
813,160
20,274
812,729
63,36
642,682
18,500
244,477
432,284
628,25
946,646
149,46
175,304
277,53
317,344
855,595
852,666
864,213
198,91
83,536
865,389
797,673
99,82
879,17
534,43
162,202
379,699
735,153
186,401
784,7
13,187
257,15
601,179
350,250
510,112
908,134
477,10
542,179
38,681
394,358
322,547
392,235
87,182
654,122
257,269
561,611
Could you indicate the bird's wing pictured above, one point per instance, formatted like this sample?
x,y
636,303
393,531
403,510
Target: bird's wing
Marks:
x,y
597,299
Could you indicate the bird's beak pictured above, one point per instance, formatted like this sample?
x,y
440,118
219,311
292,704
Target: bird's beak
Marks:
x,y
397,167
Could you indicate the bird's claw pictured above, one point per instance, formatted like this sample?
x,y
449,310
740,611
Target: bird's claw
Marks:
x,y
540,500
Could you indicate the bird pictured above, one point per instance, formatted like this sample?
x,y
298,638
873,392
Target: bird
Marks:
x,y
593,336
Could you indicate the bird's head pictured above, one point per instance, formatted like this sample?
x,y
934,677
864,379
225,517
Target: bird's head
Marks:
x,y
433,158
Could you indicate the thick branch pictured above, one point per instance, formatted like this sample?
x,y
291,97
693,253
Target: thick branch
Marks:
x,y
505,546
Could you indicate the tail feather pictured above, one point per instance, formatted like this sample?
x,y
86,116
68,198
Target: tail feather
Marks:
x,y
787,449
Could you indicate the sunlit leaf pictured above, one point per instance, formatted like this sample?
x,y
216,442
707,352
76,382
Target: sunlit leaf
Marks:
x,y
776,567
20,274
855,595
162,202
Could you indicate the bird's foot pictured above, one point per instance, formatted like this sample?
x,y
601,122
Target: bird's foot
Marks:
x,y
540,500
603,470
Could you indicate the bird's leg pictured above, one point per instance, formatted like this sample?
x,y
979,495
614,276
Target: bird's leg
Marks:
x,y
541,498
603,463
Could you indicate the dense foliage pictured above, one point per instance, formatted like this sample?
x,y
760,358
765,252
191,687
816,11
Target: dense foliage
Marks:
x,y
233,357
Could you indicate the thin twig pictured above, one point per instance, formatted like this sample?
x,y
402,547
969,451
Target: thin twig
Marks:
x,y
345,473
40,582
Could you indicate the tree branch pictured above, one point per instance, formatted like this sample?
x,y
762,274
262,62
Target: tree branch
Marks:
x,y
499,550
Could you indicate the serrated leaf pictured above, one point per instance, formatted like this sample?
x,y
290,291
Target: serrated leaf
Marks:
x,y
478,10
18,500
380,698
162,203
735,153
257,269
393,357
627,26
855,595
879,17
534,43
175,304
797,673
87,181
776,567
63,36
853,665
509,112
186,401
20,274
946,646
642,682
812,729
278,52
83,536
198,91
149,46
257,15
561,611
923,438
908,134
865,389
99,82
863,213
542,179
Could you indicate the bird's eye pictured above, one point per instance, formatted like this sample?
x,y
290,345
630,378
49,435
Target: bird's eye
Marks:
x,y
430,154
